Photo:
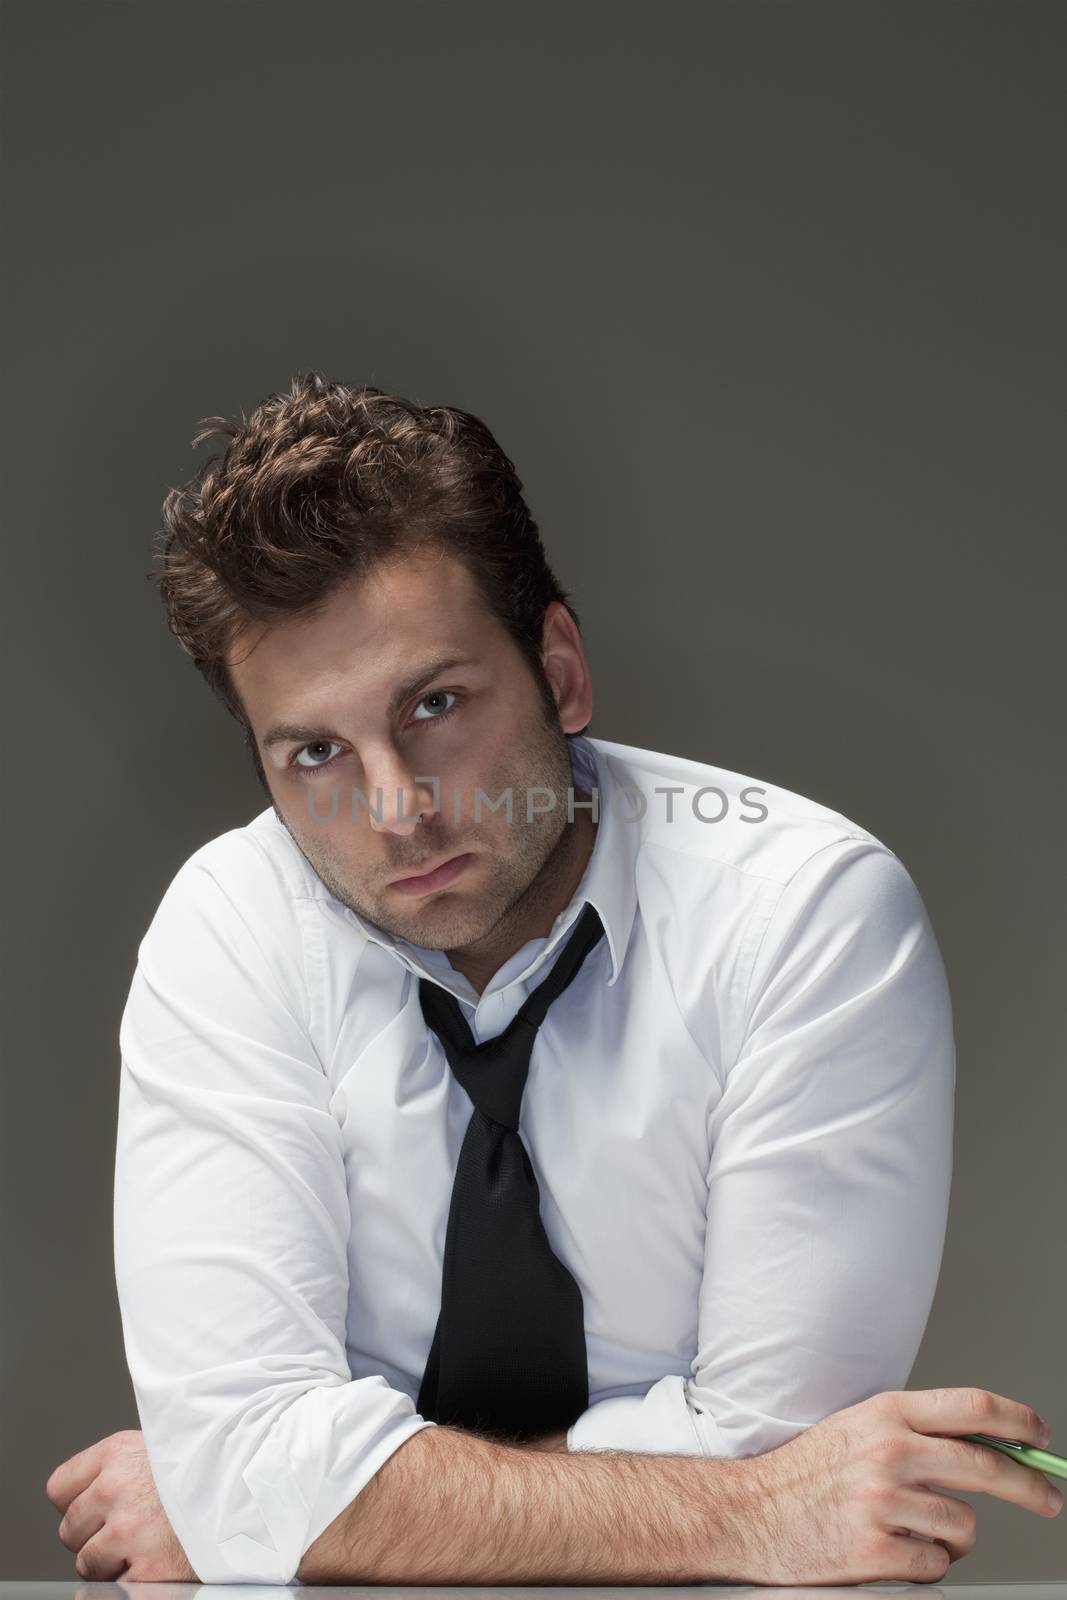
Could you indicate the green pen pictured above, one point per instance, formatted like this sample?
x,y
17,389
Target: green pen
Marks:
x,y
1028,1454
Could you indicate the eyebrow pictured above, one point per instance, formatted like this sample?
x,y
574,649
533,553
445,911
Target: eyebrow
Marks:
x,y
287,732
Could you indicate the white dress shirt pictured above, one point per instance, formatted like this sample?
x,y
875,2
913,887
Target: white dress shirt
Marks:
x,y
739,1114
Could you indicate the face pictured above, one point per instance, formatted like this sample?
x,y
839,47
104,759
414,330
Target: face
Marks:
x,y
363,711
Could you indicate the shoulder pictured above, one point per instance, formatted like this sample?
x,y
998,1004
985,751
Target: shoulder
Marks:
x,y
705,822
239,893
776,880
259,861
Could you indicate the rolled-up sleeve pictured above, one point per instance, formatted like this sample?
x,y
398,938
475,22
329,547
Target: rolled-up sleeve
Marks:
x,y
231,1230
829,1174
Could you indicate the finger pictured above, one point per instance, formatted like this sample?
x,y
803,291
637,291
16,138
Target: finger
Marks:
x,y
959,1464
913,1560
97,1563
940,1517
84,1518
73,1477
959,1411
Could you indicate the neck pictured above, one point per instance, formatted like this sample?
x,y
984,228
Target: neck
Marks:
x,y
533,918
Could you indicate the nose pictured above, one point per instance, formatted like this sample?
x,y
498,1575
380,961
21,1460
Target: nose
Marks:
x,y
404,800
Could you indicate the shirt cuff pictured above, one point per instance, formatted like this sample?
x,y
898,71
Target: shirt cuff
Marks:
x,y
660,1422
248,1513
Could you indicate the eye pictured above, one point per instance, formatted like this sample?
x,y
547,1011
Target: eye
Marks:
x,y
438,694
316,766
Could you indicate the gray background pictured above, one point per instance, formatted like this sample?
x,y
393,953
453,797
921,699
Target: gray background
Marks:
x,y
766,301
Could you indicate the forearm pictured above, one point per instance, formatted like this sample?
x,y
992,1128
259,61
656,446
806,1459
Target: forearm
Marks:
x,y
448,1507
547,1441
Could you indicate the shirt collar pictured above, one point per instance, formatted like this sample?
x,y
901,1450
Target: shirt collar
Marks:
x,y
608,882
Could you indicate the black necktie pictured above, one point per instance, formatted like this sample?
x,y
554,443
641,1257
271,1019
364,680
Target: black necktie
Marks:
x,y
508,1355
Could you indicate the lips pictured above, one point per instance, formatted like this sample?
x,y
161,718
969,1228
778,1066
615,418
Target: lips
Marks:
x,y
434,878
411,877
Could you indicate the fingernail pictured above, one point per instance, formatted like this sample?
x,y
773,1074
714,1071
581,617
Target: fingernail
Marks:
x,y
1055,1499
1044,1436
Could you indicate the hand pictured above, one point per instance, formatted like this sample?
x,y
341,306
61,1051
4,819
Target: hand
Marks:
x,y
839,1502
112,1516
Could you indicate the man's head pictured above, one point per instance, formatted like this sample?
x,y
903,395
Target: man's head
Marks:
x,y
346,543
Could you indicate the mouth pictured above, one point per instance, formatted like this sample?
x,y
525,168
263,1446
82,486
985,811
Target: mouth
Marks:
x,y
437,878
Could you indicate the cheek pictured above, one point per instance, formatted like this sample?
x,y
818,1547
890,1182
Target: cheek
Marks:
x,y
322,820
459,781
317,807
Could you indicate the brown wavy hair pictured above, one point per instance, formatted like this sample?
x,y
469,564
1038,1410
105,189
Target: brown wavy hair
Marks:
x,y
321,484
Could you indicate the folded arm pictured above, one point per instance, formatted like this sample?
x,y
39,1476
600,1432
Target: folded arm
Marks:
x,y
829,1173
231,1223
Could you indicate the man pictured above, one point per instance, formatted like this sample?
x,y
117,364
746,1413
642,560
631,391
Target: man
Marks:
x,y
383,1326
